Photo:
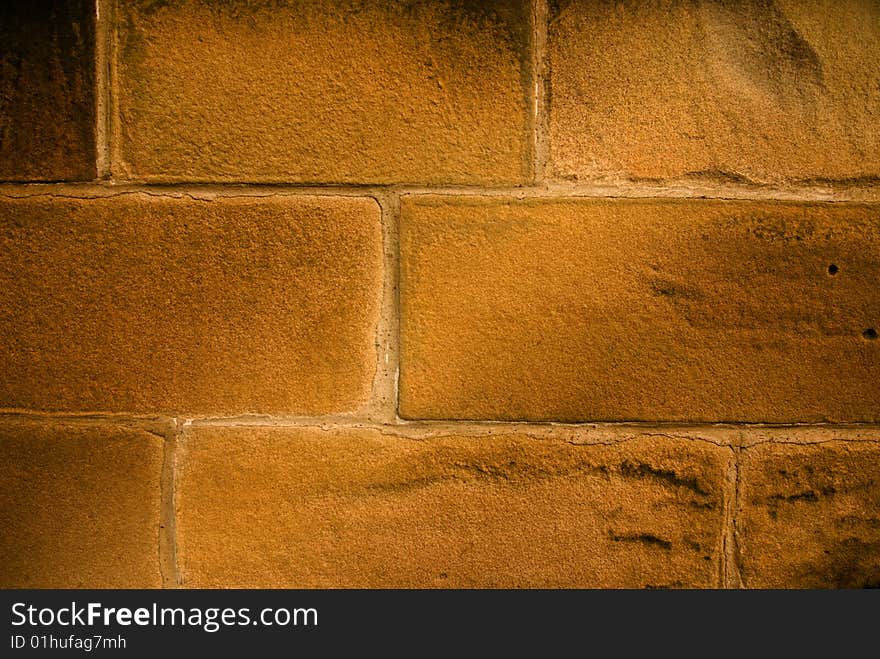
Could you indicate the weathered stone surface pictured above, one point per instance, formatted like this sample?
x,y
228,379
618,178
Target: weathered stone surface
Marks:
x,y
329,91
726,89
151,304
305,507
79,506
810,515
47,96
672,310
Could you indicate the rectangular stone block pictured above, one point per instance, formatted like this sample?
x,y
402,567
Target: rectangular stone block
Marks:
x,y
656,310
350,508
80,505
729,90
810,515
324,91
47,90
141,303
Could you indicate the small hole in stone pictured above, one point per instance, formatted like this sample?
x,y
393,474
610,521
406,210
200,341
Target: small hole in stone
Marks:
x,y
870,334
832,269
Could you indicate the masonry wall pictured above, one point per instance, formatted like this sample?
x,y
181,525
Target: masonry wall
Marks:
x,y
439,293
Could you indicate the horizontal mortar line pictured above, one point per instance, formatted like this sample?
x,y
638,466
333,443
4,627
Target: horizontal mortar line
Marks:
x,y
862,431
74,415
649,423
672,189
413,433
416,424
808,442
355,418
729,437
206,192
580,435
575,435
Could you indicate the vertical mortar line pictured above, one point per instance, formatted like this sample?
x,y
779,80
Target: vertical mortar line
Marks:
x,y
731,576
383,406
540,118
168,515
114,143
737,508
102,88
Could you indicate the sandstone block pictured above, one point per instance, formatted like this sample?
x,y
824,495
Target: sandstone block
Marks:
x,y
810,515
729,90
656,310
147,304
337,508
79,506
324,91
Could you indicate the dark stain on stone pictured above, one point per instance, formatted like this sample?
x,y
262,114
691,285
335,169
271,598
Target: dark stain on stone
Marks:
x,y
646,538
850,563
47,101
556,7
857,521
665,586
452,465
148,7
669,288
775,229
642,470
511,19
812,495
720,176
694,545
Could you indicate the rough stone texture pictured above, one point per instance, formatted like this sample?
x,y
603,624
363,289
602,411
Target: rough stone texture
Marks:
x,y
810,515
730,89
79,506
151,304
47,100
566,310
354,508
324,91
